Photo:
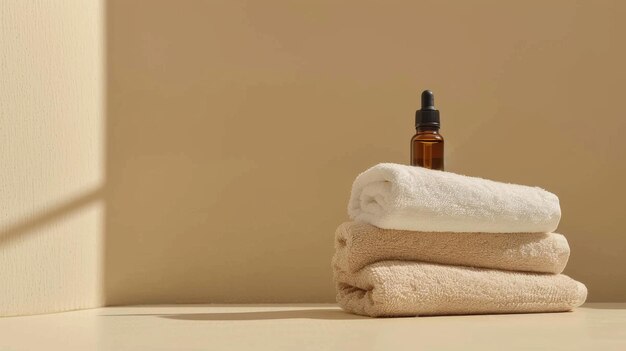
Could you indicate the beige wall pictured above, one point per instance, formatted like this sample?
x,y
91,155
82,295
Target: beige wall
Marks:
x,y
51,155
234,130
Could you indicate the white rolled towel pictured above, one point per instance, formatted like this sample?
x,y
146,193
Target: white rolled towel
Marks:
x,y
394,196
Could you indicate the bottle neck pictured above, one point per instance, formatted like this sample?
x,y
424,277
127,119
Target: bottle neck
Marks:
x,y
427,129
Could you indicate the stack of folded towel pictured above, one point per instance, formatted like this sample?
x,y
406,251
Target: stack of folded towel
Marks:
x,y
427,242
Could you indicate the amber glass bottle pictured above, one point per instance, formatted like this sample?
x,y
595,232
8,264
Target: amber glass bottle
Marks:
x,y
427,143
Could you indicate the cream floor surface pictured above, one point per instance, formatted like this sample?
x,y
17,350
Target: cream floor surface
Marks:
x,y
309,327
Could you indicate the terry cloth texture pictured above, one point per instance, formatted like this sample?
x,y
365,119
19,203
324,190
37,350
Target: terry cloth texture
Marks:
x,y
398,288
395,196
360,244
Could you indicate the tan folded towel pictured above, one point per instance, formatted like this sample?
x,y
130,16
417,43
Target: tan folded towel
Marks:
x,y
398,288
359,244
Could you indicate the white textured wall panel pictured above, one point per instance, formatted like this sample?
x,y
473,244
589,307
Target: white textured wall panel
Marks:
x,y
51,155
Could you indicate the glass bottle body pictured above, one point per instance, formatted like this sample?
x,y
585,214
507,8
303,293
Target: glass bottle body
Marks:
x,y
427,148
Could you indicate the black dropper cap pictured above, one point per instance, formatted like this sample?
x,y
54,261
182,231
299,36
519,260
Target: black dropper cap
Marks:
x,y
427,116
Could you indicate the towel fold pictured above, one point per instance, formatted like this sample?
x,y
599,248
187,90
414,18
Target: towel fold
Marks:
x,y
360,244
397,288
395,196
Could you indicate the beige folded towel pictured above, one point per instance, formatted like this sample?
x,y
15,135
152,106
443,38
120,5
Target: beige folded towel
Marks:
x,y
398,288
359,244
